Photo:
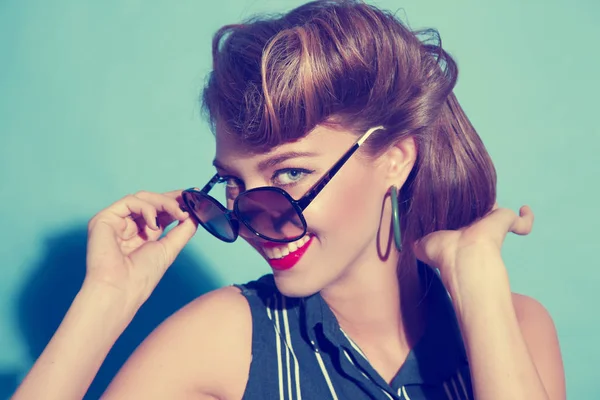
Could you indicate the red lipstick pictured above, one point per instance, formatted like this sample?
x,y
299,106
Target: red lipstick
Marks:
x,y
291,259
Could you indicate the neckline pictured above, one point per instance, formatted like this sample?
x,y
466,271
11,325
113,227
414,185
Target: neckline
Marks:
x,y
434,357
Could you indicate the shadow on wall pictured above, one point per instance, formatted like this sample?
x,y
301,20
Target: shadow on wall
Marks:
x,y
56,280
8,383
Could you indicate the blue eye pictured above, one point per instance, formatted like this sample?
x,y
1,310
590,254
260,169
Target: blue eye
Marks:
x,y
289,176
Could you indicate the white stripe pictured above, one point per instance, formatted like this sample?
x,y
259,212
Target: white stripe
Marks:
x,y
447,391
278,343
325,374
352,362
287,375
455,388
462,384
365,375
269,309
404,393
288,341
354,345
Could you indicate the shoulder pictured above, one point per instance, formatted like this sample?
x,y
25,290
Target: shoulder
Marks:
x,y
202,350
541,338
532,316
534,319
227,306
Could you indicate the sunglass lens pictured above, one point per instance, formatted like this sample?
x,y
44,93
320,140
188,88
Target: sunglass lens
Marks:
x,y
210,215
271,214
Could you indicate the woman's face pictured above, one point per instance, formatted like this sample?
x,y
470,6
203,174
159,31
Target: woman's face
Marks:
x,y
343,220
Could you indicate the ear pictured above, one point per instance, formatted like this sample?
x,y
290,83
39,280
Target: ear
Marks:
x,y
399,160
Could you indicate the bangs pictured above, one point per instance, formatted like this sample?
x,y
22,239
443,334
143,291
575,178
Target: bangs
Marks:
x,y
274,80
275,96
352,66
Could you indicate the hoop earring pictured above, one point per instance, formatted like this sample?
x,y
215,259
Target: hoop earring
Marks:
x,y
396,218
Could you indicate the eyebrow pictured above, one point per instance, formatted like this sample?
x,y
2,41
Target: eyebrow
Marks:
x,y
217,164
271,161
280,158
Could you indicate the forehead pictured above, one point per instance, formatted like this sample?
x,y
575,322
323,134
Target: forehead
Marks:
x,y
321,140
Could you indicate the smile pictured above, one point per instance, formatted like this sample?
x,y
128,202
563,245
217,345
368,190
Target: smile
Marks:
x,y
286,255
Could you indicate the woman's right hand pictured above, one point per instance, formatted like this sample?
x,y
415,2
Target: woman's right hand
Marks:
x,y
126,257
125,250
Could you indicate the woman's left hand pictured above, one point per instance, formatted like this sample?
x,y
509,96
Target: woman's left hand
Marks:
x,y
450,250
506,336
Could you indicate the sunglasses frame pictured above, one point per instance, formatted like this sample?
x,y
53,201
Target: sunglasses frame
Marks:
x,y
234,216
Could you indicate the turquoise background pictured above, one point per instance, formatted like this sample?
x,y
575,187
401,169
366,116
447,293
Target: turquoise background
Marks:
x,y
98,99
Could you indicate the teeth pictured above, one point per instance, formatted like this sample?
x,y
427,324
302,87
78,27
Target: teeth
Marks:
x,y
285,249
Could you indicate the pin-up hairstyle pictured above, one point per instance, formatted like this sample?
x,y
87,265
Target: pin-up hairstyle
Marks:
x,y
350,65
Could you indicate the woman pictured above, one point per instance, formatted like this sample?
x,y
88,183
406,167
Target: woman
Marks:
x,y
347,162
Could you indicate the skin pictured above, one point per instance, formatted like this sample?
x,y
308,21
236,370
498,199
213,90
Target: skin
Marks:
x,y
514,354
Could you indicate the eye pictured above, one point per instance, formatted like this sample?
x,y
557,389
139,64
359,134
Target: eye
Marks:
x,y
233,187
289,176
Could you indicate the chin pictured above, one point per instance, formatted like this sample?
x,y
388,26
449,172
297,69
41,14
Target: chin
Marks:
x,y
296,286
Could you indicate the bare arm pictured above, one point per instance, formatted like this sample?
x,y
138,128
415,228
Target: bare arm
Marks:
x,y
511,341
201,352
71,360
127,255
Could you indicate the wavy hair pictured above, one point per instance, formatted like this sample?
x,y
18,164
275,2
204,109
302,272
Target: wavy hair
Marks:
x,y
350,65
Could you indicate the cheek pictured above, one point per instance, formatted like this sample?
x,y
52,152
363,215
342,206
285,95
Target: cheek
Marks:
x,y
348,208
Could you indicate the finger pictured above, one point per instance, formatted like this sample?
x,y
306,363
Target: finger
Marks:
x,y
178,195
161,254
524,223
176,239
138,226
505,220
128,208
167,210
166,203
165,219
132,228
175,194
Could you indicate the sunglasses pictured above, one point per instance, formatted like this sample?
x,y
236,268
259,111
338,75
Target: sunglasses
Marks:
x,y
268,212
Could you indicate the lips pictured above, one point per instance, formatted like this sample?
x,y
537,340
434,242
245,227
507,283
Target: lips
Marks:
x,y
284,256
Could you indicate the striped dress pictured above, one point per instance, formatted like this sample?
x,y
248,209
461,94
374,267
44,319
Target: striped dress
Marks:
x,y
300,352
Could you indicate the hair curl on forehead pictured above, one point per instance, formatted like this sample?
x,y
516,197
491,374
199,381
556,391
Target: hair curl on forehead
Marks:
x,y
274,79
350,65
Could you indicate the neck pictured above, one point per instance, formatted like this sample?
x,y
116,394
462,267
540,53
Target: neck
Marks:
x,y
372,305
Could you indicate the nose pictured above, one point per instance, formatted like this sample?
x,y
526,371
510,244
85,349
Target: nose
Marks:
x,y
274,227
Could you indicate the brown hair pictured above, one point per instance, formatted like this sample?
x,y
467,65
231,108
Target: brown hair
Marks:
x,y
351,65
